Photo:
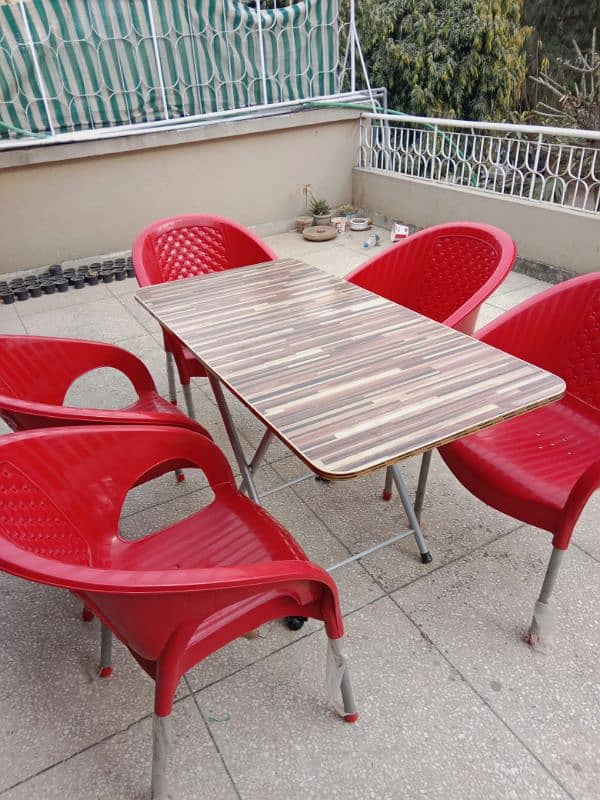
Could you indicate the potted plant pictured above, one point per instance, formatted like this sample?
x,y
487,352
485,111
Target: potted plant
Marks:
x,y
320,211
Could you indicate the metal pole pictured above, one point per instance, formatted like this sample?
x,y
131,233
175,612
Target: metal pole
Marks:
x,y
157,57
352,46
36,67
261,47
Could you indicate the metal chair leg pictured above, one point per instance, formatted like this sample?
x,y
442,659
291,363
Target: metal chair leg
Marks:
x,y
387,489
171,378
179,474
189,403
540,632
338,680
105,652
422,485
161,734
410,514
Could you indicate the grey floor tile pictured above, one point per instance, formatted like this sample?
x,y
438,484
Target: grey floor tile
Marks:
x,y
454,522
338,260
106,320
476,612
145,319
128,286
421,733
48,303
488,313
153,355
52,704
11,323
506,298
119,767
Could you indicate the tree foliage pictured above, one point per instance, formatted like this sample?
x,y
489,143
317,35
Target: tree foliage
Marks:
x,y
452,58
575,102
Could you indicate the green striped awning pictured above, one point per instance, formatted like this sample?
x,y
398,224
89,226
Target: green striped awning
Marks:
x,y
79,64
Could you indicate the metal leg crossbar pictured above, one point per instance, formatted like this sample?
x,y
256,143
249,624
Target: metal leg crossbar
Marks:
x,y
248,470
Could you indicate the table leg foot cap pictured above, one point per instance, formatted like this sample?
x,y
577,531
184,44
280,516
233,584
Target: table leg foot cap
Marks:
x,y
426,558
351,717
86,615
386,496
105,672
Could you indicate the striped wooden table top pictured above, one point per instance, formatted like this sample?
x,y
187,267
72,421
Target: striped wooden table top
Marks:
x,y
351,382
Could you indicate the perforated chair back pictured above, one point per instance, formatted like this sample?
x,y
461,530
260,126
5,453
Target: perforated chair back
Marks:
x,y
444,272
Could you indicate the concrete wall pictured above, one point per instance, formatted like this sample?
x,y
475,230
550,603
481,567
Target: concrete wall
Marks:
x,y
559,237
75,200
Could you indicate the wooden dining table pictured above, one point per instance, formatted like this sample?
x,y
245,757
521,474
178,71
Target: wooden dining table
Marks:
x,y
349,381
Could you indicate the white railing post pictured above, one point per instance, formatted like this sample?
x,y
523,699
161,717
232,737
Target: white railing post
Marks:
x,y
36,67
157,58
352,45
261,47
536,162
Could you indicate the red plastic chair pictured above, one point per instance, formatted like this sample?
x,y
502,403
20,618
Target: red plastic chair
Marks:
x,y
445,273
541,468
176,595
35,375
180,247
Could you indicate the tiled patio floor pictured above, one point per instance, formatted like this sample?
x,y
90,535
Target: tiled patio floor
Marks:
x,y
453,704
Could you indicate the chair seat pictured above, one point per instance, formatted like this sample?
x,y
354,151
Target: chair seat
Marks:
x,y
527,466
230,531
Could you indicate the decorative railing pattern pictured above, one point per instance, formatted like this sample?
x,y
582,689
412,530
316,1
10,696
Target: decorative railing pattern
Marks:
x,y
535,163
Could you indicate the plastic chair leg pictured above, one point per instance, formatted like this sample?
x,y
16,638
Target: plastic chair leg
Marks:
x,y
189,403
387,489
105,652
161,734
542,624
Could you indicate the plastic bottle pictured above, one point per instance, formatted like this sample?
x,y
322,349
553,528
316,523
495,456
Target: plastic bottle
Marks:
x,y
372,241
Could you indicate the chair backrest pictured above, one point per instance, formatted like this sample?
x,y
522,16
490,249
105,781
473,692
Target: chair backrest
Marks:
x,y
43,513
558,330
180,247
444,272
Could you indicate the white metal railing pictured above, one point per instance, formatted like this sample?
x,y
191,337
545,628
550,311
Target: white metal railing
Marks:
x,y
537,163
72,70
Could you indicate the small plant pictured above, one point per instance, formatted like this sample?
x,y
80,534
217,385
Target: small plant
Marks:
x,y
319,208
347,208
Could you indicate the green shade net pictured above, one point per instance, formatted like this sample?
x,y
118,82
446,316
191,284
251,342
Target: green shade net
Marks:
x,y
95,63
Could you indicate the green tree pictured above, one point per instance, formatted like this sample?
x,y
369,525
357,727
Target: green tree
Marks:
x,y
557,24
452,58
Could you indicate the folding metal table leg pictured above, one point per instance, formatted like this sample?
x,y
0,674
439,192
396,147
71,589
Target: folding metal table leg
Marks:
x,y
234,439
258,455
410,513
422,485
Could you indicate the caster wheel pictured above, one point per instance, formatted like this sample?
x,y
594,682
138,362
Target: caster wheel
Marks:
x,y
295,623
